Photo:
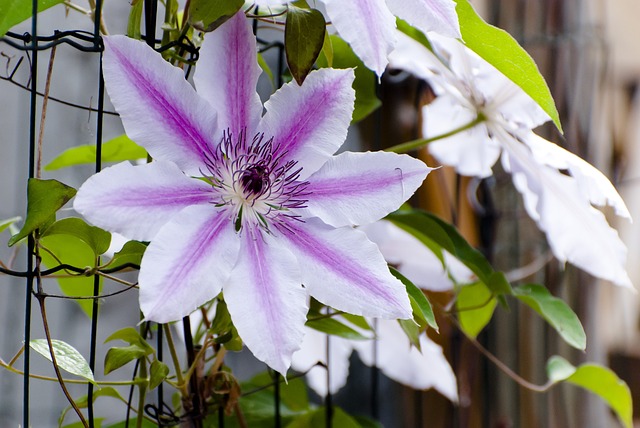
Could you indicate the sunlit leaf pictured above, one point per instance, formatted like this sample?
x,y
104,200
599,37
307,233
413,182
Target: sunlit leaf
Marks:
x,y
115,150
304,33
502,51
44,198
365,82
475,305
207,15
97,239
555,311
412,331
599,380
67,357
421,306
133,422
13,12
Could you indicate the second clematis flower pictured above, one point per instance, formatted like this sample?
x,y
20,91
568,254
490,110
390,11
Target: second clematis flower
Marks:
x,y
369,25
254,206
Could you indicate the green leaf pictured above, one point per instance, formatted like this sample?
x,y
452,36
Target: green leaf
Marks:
x,y
158,372
118,149
67,357
357,320
265,67
293,394
83,401
117,357
13,12
334,327
475,305
502,51
131,336
4,224
421,306
327,49
304,32
412,331
223,327
44,198
365,82
75,252
207,15
598,380
97,239
131,253
555,311
133,28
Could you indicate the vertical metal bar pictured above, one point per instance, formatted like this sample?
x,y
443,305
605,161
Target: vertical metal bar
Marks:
x,y
276,385
31,243
150,16
98,167
328,400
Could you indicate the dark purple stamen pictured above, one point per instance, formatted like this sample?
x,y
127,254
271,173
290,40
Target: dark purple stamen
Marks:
x,y
255,179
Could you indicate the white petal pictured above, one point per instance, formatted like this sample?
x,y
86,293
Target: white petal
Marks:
x,y
136,201
186,263
368,26
471,152
400,361
360,188
266,300
158,107
313,351
576,231
309,123
428,15
344,270
227,74
593,184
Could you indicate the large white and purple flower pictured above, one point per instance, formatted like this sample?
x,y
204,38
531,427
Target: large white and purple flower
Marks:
x,y
496,118
254,206
369,25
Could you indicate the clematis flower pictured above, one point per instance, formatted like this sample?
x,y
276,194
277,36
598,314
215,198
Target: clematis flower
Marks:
x,y
254,206
369,25
499,118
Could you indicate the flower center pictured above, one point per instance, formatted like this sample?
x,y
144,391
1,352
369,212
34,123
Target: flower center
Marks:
x,y
254,186
255,179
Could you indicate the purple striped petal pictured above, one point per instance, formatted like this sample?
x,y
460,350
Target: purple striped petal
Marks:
x,y
368,26
360,188
309,122
137,201
186,264
227,74
344,270
266,300
158,107
428,15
